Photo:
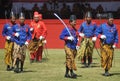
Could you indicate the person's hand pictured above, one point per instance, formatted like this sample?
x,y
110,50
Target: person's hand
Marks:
x,y
77,47
114,46
41,37
44,41
71,38
94,39
8,37
81,34
26,43
103,37
17,34
31,29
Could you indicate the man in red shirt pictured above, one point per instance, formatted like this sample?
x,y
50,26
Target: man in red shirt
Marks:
x,y
39,32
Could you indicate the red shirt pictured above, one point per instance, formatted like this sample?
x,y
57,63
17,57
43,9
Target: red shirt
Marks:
x,y
39,29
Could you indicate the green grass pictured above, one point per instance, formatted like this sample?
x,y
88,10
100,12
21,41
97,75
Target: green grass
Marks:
x,y
53,69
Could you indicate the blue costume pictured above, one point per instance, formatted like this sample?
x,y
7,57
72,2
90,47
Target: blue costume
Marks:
x,y
7,30
24,34
88,30
65,34
87,44
109,31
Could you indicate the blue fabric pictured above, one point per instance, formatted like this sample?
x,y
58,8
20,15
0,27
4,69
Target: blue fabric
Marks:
x,y
110,32
7,30
24,34
88,30
65,34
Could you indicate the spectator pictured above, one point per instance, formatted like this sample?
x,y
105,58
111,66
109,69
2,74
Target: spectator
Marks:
x,y
118,12
88,8
76,10
44,10
35,8
64,11
99,9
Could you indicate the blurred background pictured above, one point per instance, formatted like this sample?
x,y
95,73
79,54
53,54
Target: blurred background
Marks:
x,y
62,7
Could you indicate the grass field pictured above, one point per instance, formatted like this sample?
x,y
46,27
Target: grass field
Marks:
x,y
53,69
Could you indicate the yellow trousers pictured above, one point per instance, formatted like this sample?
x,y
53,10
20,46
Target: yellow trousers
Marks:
x,y
86,48
8,52
106,56
70,58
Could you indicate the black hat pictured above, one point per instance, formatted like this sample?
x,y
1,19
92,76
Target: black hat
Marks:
x,y
110,15
72,17
21,15
88,14
12,14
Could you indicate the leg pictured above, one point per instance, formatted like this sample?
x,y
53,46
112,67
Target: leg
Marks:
x,y
67,73
39,54
89,60
32,57
70,61
17,65
8,56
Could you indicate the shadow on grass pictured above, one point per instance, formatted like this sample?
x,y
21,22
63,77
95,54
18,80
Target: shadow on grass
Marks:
x,y
79,75
28,71
93,65
111,74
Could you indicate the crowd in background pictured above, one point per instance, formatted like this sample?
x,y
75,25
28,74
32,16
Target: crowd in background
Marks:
x,y
78,9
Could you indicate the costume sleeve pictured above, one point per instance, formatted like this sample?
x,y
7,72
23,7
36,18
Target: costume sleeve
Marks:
x,y
95,27
29,35
14,30
98,31
81,29
64,34
116,37
44,32
4,30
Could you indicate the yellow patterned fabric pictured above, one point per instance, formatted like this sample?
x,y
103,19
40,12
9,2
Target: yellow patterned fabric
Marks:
x,y
34,45
70,58
86,48
8,52
106,56
19,52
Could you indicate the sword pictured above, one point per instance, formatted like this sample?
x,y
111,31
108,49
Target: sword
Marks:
x,y
63,23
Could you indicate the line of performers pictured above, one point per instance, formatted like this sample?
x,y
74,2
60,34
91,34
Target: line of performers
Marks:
x,y
89,32
20,36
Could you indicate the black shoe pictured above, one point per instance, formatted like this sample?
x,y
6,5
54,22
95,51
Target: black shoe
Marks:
x,y
73,75
67,76
8,68
106,73
12,68
16,70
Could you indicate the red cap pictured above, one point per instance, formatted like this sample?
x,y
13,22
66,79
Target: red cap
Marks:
x,y
36,14
40,16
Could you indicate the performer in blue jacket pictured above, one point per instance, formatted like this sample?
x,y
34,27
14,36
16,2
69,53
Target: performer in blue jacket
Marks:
x,y
87,32
22,36
108,34
70,46
7,33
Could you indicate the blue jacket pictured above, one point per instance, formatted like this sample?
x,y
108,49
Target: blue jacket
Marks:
x,y
7,30
110,32
65,34
88,30
24,34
